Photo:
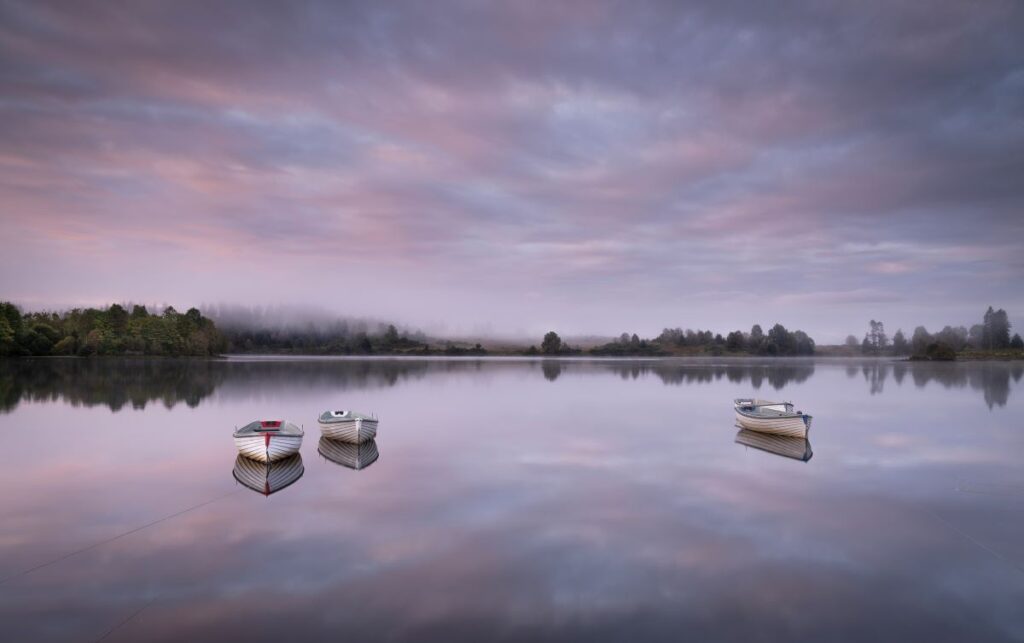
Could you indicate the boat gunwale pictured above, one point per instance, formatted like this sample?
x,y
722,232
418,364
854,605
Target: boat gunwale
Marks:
x,y
770,414
328,417
287,430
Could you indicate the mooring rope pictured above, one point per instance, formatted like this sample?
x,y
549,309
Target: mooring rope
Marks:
x,y
971,539
113,538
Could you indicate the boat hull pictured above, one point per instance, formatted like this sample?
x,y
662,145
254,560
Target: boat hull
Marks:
x,y
795,426
354,431
268,447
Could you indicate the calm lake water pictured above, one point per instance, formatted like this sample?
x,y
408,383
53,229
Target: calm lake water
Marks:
x,y
512,499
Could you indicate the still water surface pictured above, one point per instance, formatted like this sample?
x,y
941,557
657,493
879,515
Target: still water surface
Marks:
x,y
512,499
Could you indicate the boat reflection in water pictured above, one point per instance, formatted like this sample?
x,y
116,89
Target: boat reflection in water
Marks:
x,y
353,456
268,478
786,446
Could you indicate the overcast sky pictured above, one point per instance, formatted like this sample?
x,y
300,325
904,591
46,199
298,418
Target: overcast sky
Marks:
x,y
592,167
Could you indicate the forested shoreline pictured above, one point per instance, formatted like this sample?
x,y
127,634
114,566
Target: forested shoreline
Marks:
x,y
116,330
777,342
990,339
85,332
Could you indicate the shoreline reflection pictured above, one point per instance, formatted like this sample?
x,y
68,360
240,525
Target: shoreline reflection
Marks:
x,y
992,379
120,383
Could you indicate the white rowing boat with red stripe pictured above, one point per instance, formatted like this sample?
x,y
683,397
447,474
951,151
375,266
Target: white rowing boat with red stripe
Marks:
x,y
268,440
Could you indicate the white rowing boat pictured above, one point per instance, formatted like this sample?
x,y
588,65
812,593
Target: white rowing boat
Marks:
x,y
268,440
348,426
783,445
268,477
353,456
778,418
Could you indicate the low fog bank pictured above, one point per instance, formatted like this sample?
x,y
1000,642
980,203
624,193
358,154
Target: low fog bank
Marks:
x,y
235,317
322,320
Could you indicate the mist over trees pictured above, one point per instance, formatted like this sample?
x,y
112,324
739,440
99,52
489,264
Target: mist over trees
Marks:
x,y
875,340
109,331
552,344
900,345
995,329
630,345
312,331
342,339
116,331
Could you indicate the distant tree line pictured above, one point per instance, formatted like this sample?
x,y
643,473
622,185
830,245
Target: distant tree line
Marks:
x,y
630,345
339,338
116,331
110,331
553,345
778,341
277,329
991,335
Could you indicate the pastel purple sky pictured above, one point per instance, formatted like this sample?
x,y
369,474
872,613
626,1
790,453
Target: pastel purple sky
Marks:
x,y
592,167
